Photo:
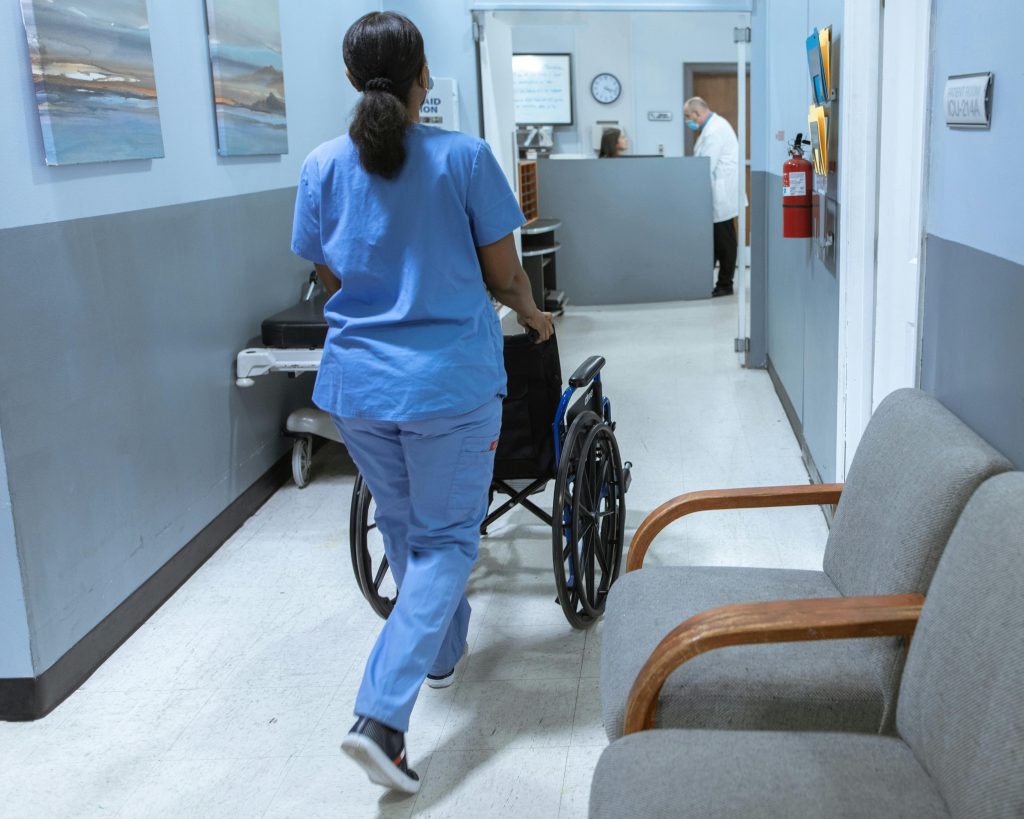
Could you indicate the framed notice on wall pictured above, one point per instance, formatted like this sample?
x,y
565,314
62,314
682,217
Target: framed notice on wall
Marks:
x,y
542,89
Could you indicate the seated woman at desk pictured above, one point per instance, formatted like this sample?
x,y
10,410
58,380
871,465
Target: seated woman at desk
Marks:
x,y
613,144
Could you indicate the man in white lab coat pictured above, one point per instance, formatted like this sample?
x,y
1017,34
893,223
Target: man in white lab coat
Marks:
x,y
717,141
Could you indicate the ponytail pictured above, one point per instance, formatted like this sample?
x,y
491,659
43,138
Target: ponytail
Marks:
x,y
384,55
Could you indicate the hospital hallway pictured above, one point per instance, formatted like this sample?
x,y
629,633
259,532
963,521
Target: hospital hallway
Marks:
x,y
231,701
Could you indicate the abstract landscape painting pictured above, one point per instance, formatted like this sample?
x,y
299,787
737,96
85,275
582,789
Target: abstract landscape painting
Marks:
x,y
248,77
92,68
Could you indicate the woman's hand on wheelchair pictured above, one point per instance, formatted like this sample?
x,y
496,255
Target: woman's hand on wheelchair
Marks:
x,y
540,323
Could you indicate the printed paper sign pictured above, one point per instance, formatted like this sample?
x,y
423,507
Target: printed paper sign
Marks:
x,y
794,183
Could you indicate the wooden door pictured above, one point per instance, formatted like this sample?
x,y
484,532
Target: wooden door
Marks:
x,y
718,90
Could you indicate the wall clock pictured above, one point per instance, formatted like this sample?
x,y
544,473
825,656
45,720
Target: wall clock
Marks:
x,y
605,88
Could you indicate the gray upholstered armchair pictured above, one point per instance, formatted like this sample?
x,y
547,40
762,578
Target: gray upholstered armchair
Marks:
x,y
914,471
959,744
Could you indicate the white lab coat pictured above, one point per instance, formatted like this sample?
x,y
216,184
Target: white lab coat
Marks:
x,y
718,142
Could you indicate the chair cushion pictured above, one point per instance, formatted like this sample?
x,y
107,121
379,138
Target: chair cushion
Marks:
x,y
961,706
831,685
770,775
914,471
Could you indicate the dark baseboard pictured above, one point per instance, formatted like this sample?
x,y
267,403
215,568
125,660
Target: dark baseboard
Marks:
x,y
24,699
798,431
18,699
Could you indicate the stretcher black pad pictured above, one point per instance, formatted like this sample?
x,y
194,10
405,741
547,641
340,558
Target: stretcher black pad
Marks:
x,y
300,326
526,447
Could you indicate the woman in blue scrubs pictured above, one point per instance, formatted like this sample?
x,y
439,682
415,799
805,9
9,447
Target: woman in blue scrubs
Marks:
x,y
401,220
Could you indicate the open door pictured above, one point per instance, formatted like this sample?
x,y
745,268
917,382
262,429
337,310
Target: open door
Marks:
x,y
499,115
716,84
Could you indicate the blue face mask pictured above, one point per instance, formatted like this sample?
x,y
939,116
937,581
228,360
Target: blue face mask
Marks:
x,y
693,126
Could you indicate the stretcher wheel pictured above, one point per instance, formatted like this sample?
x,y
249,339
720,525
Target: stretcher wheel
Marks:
x,y
302,459
588,519
369,563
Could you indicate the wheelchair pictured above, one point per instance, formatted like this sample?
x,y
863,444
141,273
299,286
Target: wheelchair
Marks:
x,y
547,435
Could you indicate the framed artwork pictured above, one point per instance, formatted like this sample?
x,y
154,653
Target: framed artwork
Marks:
x,y
248,77
92,69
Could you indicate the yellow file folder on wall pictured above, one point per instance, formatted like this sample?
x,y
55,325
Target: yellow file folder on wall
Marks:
x,y
817,119
825,47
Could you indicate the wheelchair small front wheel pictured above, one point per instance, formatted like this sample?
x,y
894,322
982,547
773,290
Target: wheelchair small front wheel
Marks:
x,y
369,562
302,459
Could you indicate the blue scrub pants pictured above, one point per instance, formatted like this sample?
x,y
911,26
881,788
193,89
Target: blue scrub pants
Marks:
x,y
430,480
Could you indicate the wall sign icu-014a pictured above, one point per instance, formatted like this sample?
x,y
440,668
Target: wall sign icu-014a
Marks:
x,y
968,100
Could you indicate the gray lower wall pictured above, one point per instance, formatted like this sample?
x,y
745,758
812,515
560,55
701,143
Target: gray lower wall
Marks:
x,y
972,338
758,355
789,262
633,230
802,321
124,432
15,651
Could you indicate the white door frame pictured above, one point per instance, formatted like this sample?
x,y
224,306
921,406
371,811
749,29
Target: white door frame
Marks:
x,y
883,91
859,84
743,256
901,194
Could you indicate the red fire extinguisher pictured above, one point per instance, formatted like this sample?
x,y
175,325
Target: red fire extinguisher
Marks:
x,y
796,192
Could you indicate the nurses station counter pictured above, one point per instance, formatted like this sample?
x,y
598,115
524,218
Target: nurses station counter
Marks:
x,y
633,230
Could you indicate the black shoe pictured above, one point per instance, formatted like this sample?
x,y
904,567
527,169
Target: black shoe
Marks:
x,y
381,752
721,291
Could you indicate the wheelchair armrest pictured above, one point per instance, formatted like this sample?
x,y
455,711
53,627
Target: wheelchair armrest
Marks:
x,y
586,371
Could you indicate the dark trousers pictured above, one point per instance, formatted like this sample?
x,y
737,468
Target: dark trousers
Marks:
x,y
725,251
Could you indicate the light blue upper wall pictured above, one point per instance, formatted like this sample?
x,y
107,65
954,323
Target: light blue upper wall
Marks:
x,y
15,651
975,177
621,5
447,28
319,100
785,30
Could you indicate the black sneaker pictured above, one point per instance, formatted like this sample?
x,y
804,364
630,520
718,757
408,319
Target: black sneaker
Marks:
x,y
721,291
381,752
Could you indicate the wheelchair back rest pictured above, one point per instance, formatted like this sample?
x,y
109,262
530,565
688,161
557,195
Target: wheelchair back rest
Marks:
x,y
526,445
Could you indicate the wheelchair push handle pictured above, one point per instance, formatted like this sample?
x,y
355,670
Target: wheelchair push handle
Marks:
x,y
533,335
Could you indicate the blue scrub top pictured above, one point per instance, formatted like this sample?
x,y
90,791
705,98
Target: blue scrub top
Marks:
x,y
412,333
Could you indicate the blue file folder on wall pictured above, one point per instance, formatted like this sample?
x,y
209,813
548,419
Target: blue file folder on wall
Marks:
x,y
817,68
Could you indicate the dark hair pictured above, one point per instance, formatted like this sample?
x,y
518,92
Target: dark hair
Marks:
x,y
383,52
610,143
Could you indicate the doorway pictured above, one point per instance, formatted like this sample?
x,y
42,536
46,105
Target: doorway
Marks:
x,y
715,83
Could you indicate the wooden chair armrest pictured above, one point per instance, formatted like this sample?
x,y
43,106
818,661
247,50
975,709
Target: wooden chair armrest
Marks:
x,y
756,498
779,621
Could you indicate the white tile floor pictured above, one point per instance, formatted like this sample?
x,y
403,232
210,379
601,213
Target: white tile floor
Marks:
x,y
232,699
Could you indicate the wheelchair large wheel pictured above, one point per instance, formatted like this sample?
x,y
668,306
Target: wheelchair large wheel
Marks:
x,y
369,563
589,519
